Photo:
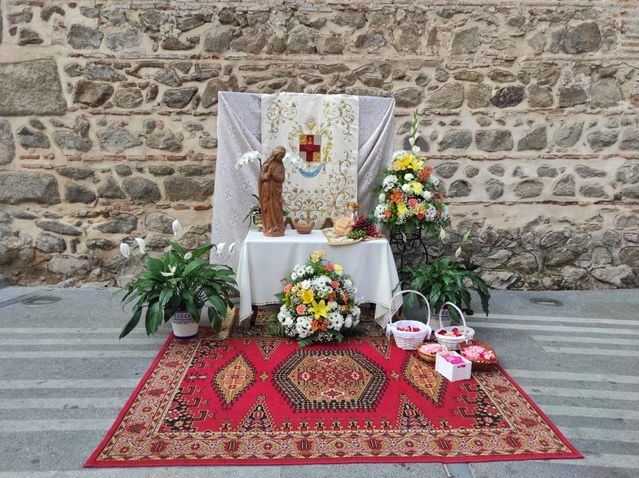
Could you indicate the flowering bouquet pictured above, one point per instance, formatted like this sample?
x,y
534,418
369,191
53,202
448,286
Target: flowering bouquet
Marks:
x,y
318,303
410,196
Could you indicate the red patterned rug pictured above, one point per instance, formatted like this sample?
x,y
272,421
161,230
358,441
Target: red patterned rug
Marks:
x,y
265,401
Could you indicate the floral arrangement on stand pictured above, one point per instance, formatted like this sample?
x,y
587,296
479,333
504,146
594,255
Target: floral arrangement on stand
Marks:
x,y
410,196
318,303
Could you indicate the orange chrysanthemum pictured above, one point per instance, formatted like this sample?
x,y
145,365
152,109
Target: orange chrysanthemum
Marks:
x,y
397,196
424,174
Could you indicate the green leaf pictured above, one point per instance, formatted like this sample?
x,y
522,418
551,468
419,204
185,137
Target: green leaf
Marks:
x,y
137,313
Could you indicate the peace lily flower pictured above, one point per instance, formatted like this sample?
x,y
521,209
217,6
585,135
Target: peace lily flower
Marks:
x,y
171,272
125,250
220,247
458,251
188,255
231,247
177,228
442,234
141,245
320,309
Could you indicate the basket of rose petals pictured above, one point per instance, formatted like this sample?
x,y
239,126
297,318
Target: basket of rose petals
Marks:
x,y
409,334
451,337
428,352
479,353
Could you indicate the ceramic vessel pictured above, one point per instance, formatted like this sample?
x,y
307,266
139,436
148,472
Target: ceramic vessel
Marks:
x,y
303,227
184,327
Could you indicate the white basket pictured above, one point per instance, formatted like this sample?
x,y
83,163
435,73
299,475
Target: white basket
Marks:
x,y
409,340
449,341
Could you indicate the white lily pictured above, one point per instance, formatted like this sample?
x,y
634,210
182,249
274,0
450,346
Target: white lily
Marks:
x,y
177,228
188,255
220,247
125,250
171,272
141,245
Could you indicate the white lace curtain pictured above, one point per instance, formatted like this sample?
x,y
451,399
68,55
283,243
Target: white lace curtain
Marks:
x,y
239,131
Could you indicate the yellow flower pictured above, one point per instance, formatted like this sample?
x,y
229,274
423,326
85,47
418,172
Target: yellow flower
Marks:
x,y
416,187
320,309
307,296
407,161
338,269
402,209
316,255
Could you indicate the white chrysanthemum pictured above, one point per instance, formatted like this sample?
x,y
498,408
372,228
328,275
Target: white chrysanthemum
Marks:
x,y
431,213
409,177
356,312
434,180
381,197
306,284
389,181
379,211
405,187
348,321
427,194
399,153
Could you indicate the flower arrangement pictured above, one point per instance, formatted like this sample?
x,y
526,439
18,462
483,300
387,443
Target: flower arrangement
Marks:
x,y
318,303
410,196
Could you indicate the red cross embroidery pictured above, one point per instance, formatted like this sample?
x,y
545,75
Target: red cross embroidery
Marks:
x,y
308,146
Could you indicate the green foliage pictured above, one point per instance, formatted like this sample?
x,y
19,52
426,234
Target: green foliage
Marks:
x,y
181,279
445,280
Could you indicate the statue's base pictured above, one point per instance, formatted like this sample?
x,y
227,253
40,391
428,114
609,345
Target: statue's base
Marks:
x,y
273,234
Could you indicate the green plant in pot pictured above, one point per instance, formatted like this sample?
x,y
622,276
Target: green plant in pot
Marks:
x,y
177,286
446,279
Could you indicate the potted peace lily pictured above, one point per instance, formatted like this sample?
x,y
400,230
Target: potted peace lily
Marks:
x,y
177,286
447,279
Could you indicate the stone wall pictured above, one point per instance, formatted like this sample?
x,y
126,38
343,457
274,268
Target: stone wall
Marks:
x,y
529,115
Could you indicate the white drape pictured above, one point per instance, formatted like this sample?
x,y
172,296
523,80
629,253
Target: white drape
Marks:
x,y
238,131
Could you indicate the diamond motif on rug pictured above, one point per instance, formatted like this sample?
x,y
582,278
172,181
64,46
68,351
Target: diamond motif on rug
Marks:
x,y
330,380
410,417
424,378
233,379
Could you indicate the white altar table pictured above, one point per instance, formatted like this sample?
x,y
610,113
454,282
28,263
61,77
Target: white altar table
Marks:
x,y
265,261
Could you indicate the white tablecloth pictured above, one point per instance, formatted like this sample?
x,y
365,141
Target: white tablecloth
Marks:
x,y
265,261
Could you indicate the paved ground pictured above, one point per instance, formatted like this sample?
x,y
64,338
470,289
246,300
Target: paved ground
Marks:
x,y
64,376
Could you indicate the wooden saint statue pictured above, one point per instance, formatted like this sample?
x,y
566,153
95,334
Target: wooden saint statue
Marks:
x,y
270,190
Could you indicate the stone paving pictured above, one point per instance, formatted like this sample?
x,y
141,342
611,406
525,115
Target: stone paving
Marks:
x,y
65,375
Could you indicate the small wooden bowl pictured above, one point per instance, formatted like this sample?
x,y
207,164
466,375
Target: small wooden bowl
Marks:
x,y
303,227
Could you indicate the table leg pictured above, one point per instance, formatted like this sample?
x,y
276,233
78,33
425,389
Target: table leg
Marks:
x,y
254,315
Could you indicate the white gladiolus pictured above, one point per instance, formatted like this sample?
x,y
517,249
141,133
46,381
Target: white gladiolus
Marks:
x,y
220,247
416,149
141,245
188,255
171,272
177,228
125,250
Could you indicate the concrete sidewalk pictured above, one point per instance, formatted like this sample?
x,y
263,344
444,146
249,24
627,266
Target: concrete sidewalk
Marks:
x,y
64,376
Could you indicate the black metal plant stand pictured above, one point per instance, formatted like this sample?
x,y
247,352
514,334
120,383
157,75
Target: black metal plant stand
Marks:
x,y
410,250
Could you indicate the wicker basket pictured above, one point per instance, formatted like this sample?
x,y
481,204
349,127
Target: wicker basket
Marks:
x,y
409,340
449,341
429,358
480,364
